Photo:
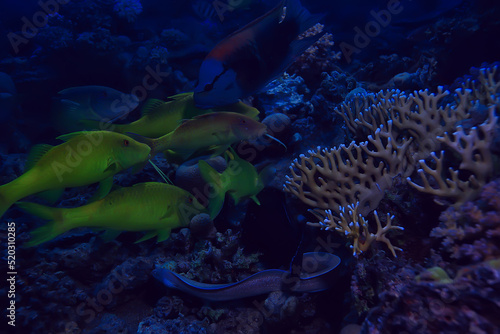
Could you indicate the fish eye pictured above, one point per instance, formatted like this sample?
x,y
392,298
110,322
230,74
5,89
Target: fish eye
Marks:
x,y
126,142
243,121
208,87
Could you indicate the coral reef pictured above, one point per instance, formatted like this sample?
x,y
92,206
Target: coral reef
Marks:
x,y
377,141
128,9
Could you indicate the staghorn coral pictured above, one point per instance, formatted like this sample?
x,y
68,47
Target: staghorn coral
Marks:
x,y
355,227
420,115
476,160
486,84
334,178
402,130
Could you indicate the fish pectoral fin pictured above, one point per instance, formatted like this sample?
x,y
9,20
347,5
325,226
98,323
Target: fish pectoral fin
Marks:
x,y
151,106
104,189
147,236
163,234
168,213
218,149
110,235
51,196
112,167
36,153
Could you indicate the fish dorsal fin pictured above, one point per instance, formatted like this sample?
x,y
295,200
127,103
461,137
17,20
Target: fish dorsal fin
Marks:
x,y
151,106
36,153
69,136
181,96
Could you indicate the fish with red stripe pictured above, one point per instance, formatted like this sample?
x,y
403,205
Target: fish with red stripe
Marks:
x,y
248,59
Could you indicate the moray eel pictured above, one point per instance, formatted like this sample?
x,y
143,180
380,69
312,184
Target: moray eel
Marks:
x,y
315,267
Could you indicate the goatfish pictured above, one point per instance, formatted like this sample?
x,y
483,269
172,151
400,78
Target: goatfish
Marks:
x,y
84,158
154,207
213,131
160,117
314,277
248,59
240,180
98,103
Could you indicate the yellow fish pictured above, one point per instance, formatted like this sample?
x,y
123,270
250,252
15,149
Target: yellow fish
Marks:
x,y
84,158
153,207
213,131
160,117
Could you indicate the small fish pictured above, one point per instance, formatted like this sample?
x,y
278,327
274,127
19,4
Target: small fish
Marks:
x,y
159,117
265,281
240,180
154,207
98,103
8,94
248,59
84,158
213,131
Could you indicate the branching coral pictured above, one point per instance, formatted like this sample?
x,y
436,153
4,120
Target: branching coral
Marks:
x,y
476,160
332,178
419,115
486,86
355,227
402,131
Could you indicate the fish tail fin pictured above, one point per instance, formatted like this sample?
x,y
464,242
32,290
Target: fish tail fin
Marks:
x,y
10,193
5,201
295,11
157,145
216,200
51,229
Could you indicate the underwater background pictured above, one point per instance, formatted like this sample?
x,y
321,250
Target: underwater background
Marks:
x,y
355,188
